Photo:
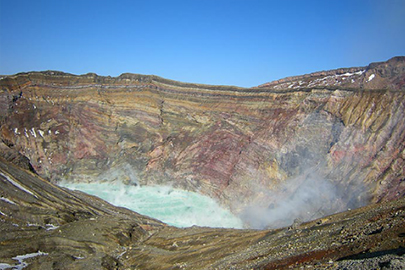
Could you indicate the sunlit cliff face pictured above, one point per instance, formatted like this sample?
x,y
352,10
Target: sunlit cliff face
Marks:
x,y
265,153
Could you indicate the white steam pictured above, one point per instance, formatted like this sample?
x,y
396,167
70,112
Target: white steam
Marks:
x,y
302,198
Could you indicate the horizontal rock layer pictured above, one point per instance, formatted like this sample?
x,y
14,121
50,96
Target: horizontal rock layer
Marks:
x,y
242,146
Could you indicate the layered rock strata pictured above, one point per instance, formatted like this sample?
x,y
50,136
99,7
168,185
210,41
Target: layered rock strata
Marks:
x,y
246,147
43,226
381,75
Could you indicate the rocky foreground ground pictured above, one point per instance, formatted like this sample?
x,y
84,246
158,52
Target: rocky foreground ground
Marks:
x,y
48,227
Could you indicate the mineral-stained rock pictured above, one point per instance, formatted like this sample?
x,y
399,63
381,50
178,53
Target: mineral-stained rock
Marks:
x,y
341,132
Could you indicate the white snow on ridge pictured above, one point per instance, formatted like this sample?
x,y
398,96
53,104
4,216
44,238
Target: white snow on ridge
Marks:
x,y
347,74
324,80
371,77
352,74
18,185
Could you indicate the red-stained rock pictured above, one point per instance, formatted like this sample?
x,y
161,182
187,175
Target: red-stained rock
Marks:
x,y
239,145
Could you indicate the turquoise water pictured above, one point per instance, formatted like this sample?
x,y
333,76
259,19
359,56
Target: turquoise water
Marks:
x,y
173,206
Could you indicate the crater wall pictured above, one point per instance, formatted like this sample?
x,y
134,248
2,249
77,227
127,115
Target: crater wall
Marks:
x,y
245,147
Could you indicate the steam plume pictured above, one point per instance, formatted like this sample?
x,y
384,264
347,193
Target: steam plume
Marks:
x,y
302,198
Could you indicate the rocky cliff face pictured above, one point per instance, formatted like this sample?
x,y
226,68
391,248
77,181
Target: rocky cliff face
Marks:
x,y
335,137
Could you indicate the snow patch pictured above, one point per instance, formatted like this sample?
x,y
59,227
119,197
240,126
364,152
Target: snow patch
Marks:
x,y
56,132
4,266
41,133
33,225
18,185
1,213
120,255
33,133
7,200
50,227
372,76
20,258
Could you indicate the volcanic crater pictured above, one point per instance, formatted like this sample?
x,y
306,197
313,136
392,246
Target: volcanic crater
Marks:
x,y
316,162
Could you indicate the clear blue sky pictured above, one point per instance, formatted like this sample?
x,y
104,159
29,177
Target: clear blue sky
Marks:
x,y
232,42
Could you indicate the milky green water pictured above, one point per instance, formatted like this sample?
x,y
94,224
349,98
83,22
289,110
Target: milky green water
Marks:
x,y
173,206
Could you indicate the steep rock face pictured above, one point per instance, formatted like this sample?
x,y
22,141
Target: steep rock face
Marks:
x,y
246,147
